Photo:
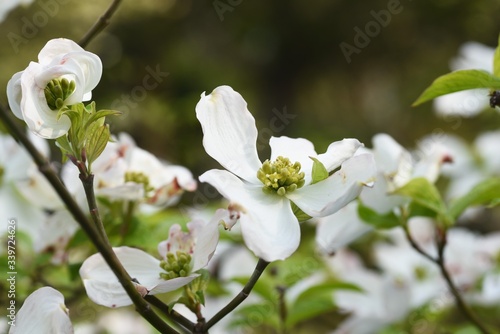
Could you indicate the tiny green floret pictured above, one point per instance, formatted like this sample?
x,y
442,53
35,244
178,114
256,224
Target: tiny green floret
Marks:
x,y
281,176
176,265
139,178
57,91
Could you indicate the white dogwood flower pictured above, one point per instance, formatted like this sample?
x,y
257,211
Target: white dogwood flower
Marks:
x,y
265,191
182,255
64,75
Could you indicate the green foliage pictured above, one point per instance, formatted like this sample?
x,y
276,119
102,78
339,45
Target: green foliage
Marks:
x,y
486,192
426,195
458,81
88,135
319,172
496,60
377,220
315,301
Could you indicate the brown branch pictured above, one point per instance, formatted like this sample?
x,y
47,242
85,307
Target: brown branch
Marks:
x,y
440,262
107,253
100,24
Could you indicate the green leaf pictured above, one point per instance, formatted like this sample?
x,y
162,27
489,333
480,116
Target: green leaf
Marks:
x,y
100,114
315,301
423,193
65,147
486,192
457,81
255,316
301,215
97,142
319,172
377,220
417,210
496,60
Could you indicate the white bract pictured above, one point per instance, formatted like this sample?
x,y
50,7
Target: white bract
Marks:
x,y
43,312
264,191
467,103
65,74
396,167
338,230
182,255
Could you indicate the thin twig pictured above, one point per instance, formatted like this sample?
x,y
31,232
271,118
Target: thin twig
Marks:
x,y
88,186
107,253
415,246
440,262
463,307
100,24
259,269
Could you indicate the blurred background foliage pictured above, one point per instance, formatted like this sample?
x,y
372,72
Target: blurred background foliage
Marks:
x,y
282,56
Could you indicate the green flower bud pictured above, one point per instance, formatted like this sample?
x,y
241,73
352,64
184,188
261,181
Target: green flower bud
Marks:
x,y
57,91
176,265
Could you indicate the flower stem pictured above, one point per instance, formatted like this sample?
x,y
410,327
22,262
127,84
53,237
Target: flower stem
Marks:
x,y
142,307
170,313
100,24
440,262
259,269
463,307
88,186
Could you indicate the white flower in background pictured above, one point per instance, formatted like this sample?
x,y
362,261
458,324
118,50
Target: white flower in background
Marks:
x,y
265,191
65,74
396,167
43,312
7,5
471,163
20,180
382,300
54,233
468,103
120,321
399,260
182,255
126,172
468,258
340,229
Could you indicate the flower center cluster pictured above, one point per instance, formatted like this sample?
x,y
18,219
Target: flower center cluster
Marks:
x,y
57,91
280,176
175,265
139,178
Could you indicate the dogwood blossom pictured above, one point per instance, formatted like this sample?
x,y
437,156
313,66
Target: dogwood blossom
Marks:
x,y
382,299
182,255
65,74
43,312
338,230
127,172
266,190
396,167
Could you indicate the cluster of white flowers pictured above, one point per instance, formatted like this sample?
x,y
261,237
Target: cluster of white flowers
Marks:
x,y
267,201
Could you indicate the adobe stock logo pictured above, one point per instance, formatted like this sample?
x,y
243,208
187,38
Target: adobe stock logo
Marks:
x,y
371,29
